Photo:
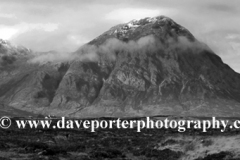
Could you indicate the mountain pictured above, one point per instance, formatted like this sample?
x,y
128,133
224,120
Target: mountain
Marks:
x,y
151,66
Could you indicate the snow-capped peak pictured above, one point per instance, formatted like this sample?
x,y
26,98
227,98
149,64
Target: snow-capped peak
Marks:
x,y
133,24
150,25
4,42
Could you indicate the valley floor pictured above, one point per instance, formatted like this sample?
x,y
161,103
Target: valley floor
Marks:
x,y
153,144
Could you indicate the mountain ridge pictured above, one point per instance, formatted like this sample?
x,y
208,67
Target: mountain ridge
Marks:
x,y
144,67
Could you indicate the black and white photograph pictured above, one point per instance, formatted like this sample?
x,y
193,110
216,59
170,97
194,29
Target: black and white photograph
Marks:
x,y
119,80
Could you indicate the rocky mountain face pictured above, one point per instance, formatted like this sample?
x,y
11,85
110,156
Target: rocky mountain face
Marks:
x,y
151,66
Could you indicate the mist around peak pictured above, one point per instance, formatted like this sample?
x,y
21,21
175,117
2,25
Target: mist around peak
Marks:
x,y
113,45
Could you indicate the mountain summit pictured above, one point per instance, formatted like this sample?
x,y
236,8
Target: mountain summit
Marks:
x,y
160,26
151,66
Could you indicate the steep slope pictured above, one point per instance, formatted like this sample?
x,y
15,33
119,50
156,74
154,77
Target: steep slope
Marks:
x,y
145,67
176,74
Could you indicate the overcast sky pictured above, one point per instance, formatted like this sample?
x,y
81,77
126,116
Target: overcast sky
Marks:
x,y
64,25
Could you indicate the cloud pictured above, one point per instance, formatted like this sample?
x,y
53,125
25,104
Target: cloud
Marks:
x,y
8,32
81,21
93,53
3,15
58,40
24,27
8,21
222,8
111,48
